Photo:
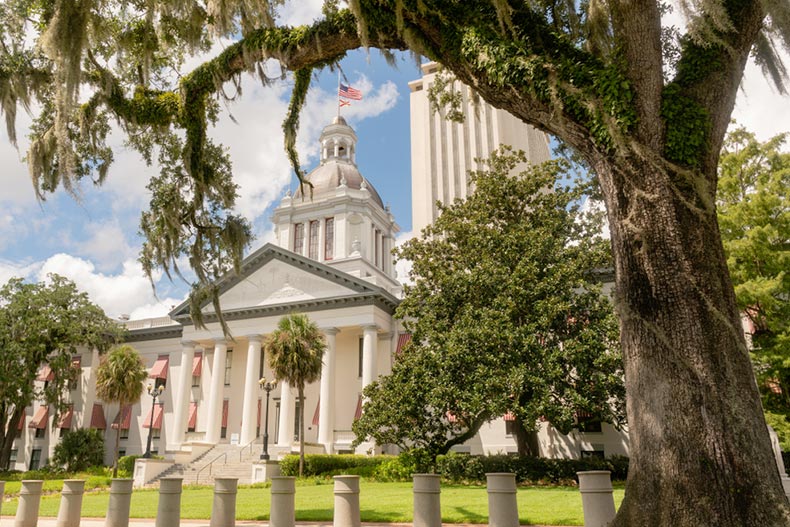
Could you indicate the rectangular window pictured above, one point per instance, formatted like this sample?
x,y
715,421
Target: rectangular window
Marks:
x,y
124,433
64,432
299,238
260,368
377,236
329,238
223,432
509,428
35,459
196,381
588,454
361,354
40,433
75,364
156,433
312,252
228,363
12,459
121,453
297,417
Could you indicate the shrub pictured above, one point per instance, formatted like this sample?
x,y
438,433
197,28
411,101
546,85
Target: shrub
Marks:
x,y
402,467
126,465
79,450
331,465
463,468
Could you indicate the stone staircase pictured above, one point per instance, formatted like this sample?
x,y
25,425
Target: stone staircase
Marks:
x,y
223,460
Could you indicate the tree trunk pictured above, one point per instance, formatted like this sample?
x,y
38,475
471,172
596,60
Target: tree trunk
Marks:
x,y
117,443
526,440
7,439
700,452
301,430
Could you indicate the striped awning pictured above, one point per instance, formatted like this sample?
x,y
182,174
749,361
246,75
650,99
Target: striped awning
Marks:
x,y
225,413
358,412
403,339
97,417
124,417
40,419
197,363
45,374
67,417
159,370
317,414
192,415
157,413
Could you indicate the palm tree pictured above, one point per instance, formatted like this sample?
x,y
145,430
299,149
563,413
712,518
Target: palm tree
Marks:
x,y
295,350
119,379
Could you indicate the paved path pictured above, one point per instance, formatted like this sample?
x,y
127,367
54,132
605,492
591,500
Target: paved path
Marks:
x,y
99,522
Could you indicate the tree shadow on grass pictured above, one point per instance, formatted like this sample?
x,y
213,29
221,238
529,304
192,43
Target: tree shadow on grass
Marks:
x,y
468,516
315,515
372,515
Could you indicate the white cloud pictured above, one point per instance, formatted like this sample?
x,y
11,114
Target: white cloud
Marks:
x,y
106,245
403,267
116,294
759,107
155,309
298,12
9,270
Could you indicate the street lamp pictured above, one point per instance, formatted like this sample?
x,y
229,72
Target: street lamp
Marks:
x,y
267,386
154,393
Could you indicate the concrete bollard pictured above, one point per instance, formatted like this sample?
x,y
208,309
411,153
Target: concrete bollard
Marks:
x,y
29,502
2,492
168,513
223,511
502,504
120,503
283,512
427,501
70,503
597,499
347,501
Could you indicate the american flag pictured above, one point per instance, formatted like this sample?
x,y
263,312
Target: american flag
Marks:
x,y
349,93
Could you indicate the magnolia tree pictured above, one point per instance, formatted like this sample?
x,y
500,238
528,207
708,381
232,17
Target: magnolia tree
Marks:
x,y
645,106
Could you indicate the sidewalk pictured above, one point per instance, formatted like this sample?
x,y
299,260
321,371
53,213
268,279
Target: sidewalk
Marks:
x,y
99,522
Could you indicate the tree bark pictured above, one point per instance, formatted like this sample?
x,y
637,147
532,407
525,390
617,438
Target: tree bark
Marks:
x,y
526,440
7,439
700,452
301,430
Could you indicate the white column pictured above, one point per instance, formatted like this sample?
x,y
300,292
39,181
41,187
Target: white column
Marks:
x,y
249,409
184,385
215,397
369,354
286,425
326,418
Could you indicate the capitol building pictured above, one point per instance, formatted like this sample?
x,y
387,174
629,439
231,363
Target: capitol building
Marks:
x,y
331,259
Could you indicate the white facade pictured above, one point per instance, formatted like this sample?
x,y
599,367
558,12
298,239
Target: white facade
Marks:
x,y
443,152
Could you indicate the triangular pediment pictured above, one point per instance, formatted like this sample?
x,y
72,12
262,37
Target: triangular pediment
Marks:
x,y
272,276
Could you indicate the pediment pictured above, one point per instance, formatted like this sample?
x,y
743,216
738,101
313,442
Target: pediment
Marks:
x,y
273,276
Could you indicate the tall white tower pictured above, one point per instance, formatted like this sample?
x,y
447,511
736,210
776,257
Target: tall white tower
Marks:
x,y
443,152
340,220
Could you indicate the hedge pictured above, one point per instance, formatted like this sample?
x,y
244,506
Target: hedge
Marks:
x,y
332,464
463,468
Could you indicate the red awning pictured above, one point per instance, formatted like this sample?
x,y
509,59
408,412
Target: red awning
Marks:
x,y
197,363
126,421
40,419
225,413
317,414
192,415
259,413
451,418
510,416
159,370
45,374
358,412
158,412
97,417
65,420
403,339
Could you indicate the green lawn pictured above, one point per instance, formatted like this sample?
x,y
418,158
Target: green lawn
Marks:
x,y
379,502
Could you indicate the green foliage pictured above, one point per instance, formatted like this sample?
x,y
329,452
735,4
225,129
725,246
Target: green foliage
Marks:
x,y
296,350
401,468
332,465
754,219
126,465
43,324
687,127
119,379
79,450
463,468
505,315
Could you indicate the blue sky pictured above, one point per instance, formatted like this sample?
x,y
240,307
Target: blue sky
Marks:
x,y
94,240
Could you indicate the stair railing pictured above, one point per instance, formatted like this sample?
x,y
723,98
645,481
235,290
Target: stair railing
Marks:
x,y
245,447
209,465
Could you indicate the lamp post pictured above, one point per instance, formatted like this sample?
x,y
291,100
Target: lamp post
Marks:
x,y
267,386
154,393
